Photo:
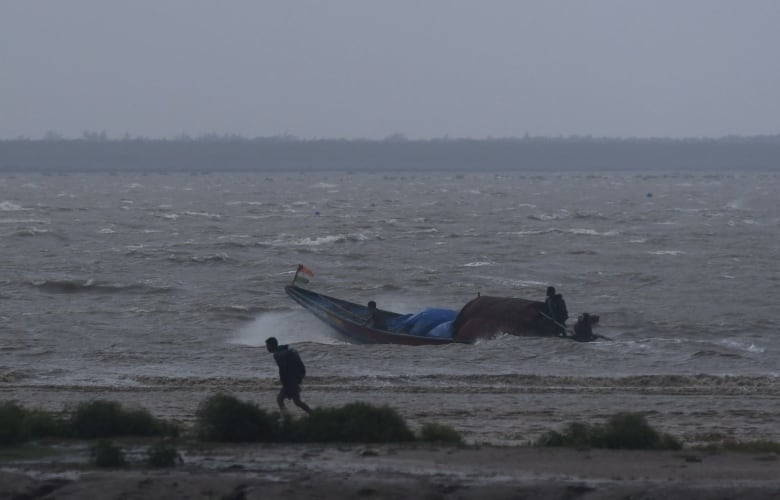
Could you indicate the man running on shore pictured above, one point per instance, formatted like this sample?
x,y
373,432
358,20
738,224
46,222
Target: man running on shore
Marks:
x,y
291,373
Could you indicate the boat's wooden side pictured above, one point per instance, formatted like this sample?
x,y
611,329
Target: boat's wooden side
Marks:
x,y
348,318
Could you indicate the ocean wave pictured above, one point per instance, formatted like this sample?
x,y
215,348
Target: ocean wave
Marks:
x,y
24,221
589,215
11,377
35,231
309,241
199,259
236,311
235,244
577,231
590,232
715,354
751,348
170,216
8,206
202,214
547,217
92,286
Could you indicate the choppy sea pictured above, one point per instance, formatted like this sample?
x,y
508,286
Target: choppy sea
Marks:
x,y
111,281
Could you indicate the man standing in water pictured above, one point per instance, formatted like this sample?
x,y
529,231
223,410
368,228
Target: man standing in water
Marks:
x,y
556,308
291,373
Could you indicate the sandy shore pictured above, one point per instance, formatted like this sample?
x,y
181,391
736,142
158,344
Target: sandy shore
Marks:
x,y
496,464
430,472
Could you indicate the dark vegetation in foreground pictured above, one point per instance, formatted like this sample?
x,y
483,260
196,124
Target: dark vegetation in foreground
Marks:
x,y
225,419
98,153
220,418
628,431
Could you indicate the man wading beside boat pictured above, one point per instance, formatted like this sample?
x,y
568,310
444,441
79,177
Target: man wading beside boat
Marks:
x,y
556,308
291,373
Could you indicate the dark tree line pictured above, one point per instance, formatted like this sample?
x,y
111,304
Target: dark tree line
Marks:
x,y
96,152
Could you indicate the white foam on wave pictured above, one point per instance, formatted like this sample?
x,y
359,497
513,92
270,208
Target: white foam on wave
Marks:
x,y
478,264
202,214
735,205
321,240
741,346
7,206
591,232
547,217
317,241
526,233
290,327
666,252
24,221
251,203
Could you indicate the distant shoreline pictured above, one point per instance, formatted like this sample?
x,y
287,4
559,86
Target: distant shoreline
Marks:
x,y
530,154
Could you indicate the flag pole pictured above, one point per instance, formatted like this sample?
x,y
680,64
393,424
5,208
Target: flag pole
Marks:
x,y
296,275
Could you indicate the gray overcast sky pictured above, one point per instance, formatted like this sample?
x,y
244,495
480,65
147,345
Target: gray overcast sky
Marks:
x,y
368,69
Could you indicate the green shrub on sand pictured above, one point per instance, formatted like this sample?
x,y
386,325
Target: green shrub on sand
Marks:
x,y
356,423
225,418
162,454
18,424
41,424
438,433
106,454
622,431
100,419
11,423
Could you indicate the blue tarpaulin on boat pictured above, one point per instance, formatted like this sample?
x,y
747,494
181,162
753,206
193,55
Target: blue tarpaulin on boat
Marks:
x,y
426,320
442,330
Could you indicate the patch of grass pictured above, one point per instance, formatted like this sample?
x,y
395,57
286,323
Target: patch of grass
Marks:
x,y
101,419
104,453
354,423
18,424
41,424
438,433
622,431
162,454
27,452
225,418
11,424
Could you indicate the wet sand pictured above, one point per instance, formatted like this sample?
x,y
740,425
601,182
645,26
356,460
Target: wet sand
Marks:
x,y
430,472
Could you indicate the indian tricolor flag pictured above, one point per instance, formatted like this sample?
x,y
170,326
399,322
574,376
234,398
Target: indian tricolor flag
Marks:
x,y
301,273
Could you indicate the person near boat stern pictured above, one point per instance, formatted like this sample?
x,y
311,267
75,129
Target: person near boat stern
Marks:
x,y
556,308
291,373
375,317
583,332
